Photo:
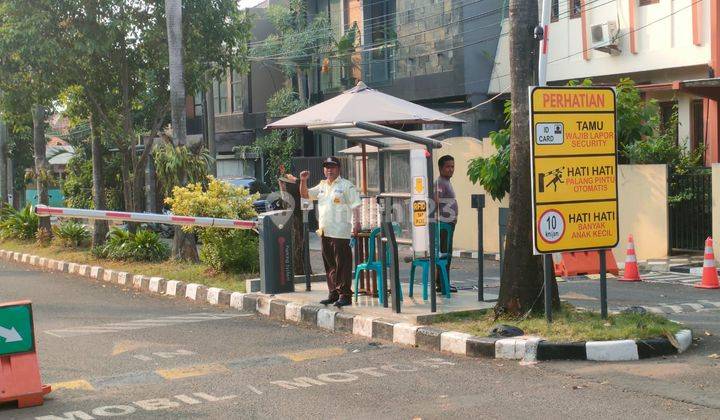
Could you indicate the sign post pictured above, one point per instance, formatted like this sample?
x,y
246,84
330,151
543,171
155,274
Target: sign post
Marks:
x,y
20,373
574,172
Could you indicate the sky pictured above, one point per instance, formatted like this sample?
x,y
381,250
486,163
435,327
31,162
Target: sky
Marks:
x,y
249,3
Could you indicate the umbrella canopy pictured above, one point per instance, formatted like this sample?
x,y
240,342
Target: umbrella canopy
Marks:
x,y
363,104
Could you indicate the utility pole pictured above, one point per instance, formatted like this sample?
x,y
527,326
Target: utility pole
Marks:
x,y
522,275
209,116
541,34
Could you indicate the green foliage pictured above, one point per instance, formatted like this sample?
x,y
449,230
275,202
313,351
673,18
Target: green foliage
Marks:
x,y
284,102
222,249
171,161
20,150
77,185
71,234
230,250
661,147
278,146
493,172
297,41
21,224
636,118
143,245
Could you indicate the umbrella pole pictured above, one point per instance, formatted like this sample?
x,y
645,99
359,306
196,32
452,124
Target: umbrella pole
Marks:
x,y
364,169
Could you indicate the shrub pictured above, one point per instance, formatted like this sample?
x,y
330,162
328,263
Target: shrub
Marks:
x,y
142,245
21,224
71,234
493,172
222,249
230,250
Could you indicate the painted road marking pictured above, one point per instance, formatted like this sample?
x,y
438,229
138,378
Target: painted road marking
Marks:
x,y
671,278
151,377
164,355
300,356
255,390
127,346
79,384
141,324
153,404
192,371
327,378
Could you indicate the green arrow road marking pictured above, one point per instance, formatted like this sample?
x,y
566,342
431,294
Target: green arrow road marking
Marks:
x,y
10,335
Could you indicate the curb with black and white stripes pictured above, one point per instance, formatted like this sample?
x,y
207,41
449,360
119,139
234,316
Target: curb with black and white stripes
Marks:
x,y
527,349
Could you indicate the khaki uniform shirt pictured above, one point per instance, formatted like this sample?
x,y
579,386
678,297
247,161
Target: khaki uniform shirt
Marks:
x,y
335,204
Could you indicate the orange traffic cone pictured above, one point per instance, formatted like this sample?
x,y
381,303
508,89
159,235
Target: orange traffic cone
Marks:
x,y
710,275
631,267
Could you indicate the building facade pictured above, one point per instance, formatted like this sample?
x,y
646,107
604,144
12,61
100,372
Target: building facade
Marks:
x,y
670,48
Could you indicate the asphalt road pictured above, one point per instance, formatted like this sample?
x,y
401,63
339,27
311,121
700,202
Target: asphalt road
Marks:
x,y
112,352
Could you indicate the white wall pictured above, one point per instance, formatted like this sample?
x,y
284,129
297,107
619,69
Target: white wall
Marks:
x,y
664,41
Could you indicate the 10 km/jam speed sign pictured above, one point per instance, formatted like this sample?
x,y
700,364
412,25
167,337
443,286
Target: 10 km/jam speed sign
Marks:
x,y
574,168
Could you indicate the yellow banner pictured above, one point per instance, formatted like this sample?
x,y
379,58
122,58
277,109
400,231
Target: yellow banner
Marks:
x,y
582,134
574,179
555,99
576,226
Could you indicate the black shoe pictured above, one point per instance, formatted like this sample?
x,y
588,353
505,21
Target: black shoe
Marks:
x,y
343,302
329,300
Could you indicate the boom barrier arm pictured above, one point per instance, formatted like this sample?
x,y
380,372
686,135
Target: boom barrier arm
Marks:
x,y
45,211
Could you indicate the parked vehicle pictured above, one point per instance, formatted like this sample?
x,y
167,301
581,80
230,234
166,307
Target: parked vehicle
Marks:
x,y
261,205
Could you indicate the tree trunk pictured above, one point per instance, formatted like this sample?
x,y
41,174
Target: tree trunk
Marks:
x,y
126,164
521,286
98,187
150,187
4,138
42,168
302,93
183,244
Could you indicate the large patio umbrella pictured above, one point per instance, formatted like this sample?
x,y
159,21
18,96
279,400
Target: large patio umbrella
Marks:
x,y
362,115
363,104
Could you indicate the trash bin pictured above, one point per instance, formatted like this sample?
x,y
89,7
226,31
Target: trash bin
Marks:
x,y
276,262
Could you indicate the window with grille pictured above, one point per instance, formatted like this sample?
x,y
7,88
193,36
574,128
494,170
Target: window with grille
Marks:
x,y
575,8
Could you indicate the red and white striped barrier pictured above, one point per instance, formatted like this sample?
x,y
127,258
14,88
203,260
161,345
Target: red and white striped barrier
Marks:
x,y
45,211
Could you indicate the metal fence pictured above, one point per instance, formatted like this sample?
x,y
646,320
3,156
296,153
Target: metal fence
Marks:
x,y
690,210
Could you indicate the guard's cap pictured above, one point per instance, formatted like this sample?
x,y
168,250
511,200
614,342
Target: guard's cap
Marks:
x,y
332,160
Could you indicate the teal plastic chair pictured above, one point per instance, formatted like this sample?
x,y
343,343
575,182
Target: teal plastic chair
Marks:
x,y
372,265
442,260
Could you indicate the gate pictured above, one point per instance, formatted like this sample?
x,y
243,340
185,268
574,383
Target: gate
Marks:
x,y
689,210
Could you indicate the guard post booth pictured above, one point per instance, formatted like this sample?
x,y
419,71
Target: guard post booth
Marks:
x,y
362,115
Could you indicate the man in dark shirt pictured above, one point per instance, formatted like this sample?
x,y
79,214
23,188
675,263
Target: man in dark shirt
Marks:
x,y
448,209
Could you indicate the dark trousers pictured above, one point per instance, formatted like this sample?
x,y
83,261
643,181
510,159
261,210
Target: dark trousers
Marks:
x,y
337,258
444,249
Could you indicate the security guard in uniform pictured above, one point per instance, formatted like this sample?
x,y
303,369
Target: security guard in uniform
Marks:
x,y
337,200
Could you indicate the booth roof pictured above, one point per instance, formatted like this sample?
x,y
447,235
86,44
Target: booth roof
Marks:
x,y
394,144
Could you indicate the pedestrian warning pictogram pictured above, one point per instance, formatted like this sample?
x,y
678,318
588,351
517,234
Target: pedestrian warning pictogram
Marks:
x,y
574,168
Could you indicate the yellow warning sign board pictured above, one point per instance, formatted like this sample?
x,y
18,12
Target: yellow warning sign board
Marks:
x,y
574,168
419,213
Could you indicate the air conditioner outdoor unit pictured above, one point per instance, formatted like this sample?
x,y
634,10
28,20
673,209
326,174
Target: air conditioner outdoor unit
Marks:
x,y
604,37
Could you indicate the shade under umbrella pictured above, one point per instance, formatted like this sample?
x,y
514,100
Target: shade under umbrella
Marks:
x,y
363,104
